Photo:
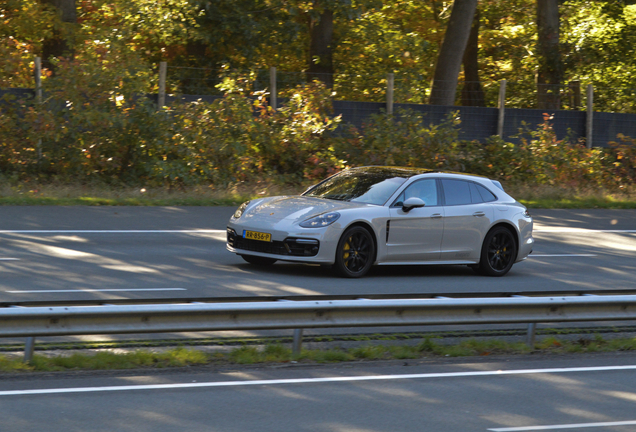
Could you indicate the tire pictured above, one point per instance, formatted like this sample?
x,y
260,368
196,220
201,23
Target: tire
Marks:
x,y
259,261
498,253
355,253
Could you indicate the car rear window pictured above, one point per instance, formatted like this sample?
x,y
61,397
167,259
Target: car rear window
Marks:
x,y
486,195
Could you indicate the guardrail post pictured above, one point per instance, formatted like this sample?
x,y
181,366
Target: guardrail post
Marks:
x,y
29,347
298,341
532,334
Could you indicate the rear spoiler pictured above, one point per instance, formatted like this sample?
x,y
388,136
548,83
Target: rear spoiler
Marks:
x,y
498,184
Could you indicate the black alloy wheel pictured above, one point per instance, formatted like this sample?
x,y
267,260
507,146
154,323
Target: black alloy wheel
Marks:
x,y
257,260
355,253
498,252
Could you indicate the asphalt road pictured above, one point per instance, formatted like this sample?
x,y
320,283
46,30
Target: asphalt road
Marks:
x,y
58,253
574,393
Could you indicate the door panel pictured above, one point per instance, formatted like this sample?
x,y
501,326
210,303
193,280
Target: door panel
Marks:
x,y
467,220
416,235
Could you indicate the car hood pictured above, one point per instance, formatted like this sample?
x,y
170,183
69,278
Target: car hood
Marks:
x,y
294,209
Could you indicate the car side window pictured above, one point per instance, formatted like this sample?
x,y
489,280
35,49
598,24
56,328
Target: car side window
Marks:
x,y
456,192
426,190
486,195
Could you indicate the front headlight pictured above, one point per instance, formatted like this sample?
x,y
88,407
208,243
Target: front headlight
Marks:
x,y
320,221
239,211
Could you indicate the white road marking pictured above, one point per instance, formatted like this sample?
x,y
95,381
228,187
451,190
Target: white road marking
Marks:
x,y
564,426
79,291
312,380
196,231
561,255
9,259
577,230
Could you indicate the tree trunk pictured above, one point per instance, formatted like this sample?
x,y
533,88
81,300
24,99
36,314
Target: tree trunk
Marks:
x,y
449,61
550,70
472,93
320,49
57,45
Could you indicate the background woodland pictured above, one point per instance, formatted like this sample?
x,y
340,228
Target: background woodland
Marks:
x,y
101,56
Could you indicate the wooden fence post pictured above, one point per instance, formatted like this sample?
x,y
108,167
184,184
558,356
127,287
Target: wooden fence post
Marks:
x,y
575,95
272,88
163,71
390,81
37,72
502,107
589,121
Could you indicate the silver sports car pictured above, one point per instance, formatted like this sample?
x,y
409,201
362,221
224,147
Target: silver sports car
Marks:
x,y
387,215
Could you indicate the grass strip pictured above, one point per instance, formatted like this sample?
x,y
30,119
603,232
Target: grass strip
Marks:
x,y
138,202
353,337
279,353
273,340
533,203
537,196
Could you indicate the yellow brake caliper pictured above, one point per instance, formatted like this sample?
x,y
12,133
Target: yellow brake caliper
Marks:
x,y
347,246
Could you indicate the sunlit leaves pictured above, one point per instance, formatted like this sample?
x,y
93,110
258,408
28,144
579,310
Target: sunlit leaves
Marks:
x,y
599,39
398,37
23,26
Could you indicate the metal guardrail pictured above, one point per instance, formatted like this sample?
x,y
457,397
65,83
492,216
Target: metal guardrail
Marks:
x,y
20,321
296,298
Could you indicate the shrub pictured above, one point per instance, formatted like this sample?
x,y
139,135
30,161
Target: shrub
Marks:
x,y
94,126
621,163
403,140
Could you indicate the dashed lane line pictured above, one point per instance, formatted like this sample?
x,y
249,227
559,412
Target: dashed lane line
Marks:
x,y
566,230
193,231
564,426
560,255
89,291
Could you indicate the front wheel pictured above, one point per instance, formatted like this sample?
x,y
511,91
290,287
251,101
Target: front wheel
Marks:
x,y
498,253
355,253
257,260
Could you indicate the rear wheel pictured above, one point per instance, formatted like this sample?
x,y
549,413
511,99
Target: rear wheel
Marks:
x,y
257,260
355,253
498,253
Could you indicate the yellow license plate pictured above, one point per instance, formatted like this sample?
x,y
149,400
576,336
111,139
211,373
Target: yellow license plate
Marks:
x,y
254,235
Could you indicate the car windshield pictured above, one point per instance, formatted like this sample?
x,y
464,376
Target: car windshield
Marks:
x,y
369,186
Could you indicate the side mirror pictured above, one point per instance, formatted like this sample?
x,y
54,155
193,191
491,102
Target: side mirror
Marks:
x,y
412,203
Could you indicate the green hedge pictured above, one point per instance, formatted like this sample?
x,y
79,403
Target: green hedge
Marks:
x,y
111,136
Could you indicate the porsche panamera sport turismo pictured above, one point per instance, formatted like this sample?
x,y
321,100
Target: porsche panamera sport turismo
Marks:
x,y
369,216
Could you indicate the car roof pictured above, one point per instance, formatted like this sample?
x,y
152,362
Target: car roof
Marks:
x,y
407,172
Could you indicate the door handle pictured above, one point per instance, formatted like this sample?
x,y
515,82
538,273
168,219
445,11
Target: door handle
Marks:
x,y
479,213
436,216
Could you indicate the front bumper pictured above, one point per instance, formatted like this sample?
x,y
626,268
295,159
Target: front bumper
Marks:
x,y
284,246
290,246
